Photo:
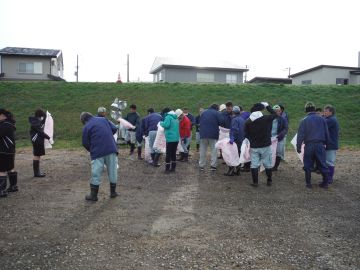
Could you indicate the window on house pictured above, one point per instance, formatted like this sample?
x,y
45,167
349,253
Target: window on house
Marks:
x,y
34,68
342,81
231,78
205,77
306,82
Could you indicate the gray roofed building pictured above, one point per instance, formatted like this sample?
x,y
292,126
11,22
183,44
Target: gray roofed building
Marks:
x,y
166,69
31,64
270,80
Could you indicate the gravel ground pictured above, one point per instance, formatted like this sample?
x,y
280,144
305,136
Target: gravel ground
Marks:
x,y
187,220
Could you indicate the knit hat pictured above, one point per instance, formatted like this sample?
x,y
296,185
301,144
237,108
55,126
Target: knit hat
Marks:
x,y
178,112
236,109
222,107
101,110
257,107
276,107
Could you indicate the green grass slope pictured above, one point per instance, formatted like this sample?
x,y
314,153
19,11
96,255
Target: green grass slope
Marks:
x,y
67,100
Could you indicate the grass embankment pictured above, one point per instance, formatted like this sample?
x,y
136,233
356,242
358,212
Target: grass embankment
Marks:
x,y
67,100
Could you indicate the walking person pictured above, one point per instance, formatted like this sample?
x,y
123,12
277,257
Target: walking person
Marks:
x,y
7,153
38,136
280,129
98,139
171,129
237,134
149,127
134,118
197,129
210,120
258,131
185,134
313,132
333,142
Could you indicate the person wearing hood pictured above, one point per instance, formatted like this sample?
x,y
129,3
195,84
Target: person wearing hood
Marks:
x,y
7,153
258,131
98,139
171,129
185,134
237,136
37,136
313,132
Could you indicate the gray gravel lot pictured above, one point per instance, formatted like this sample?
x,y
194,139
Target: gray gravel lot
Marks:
x,y
187,220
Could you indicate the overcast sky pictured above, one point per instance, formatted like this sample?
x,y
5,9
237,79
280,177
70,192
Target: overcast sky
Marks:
x,y
266,35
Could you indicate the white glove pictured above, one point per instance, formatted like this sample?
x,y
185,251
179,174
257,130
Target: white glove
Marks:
x,y
51,141
265,104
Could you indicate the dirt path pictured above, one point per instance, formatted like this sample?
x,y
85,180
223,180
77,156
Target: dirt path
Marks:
x,y
187,220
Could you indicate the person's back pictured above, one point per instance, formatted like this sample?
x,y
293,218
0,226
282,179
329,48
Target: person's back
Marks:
x,y
259,131
313,129
210,120
98,137
171,127
150,122
333,127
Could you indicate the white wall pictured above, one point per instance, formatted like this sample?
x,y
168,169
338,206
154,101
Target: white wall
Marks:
x,y
323,76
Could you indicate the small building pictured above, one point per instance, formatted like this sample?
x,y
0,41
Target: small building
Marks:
x,y
31,64
327,74
270,80
173,70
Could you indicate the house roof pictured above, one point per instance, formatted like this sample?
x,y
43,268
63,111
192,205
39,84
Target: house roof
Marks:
x,y
322,66
161,62
29,52
269,80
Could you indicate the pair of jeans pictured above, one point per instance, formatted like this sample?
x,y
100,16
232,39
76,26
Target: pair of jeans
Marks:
x,y
97,167
261,155
204,144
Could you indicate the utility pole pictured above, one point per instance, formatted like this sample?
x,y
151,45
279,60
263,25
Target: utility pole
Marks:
x,y
77,68
127,65
245,79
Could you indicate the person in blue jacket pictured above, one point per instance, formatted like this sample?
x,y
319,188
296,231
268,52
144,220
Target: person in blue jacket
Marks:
x,y
237,135
227,115
281,125
313,132
149,127
333,143
98,139
210,120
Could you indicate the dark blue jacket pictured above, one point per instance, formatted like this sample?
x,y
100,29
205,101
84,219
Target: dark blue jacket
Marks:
x,y
245,115
312,129
282,128
333,127
210,120
149,123
237,130
197,123
226,122
134,119
97,137
192,119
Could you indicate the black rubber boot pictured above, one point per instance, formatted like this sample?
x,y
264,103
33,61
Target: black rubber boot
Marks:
x,y
173,166
197,147
325,182
132,148
182,156
139,153
308,179
167,167
36,167
277,163
13,182
237,170
152,156
269,176
186,157
255,177
113,192
3,180
246,167
93,193
230,171
156,160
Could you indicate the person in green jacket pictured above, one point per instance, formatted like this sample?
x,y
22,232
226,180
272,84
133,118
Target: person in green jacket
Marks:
x,y
171,129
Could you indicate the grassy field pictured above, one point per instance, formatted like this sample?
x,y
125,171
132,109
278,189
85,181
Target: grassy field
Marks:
x,y
66,101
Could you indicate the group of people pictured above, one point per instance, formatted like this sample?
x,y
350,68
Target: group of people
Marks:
x,y
318,133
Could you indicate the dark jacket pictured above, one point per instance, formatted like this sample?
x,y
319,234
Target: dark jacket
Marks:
x,y
312,129
134,119
259,131
197,123
191,118
245,115
210,120
282,128
333,127
237,129
97,137
7,137
150,122
37,134
226,122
